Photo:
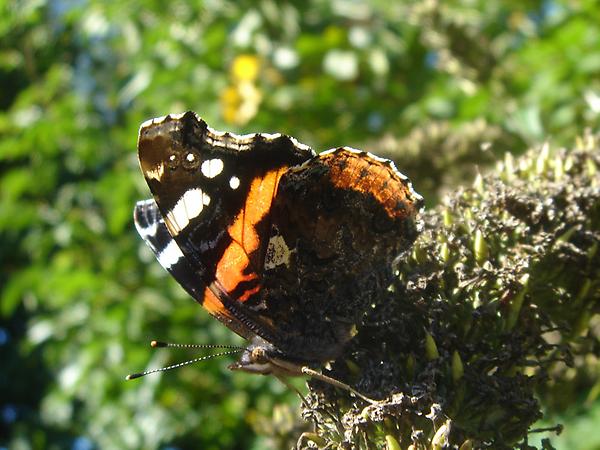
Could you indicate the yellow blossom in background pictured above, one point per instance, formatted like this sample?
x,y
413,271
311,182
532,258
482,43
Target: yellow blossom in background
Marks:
x,y
240,102
251,98
245,68
241,98
230,100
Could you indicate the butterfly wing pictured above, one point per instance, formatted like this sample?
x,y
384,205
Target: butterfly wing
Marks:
x,y
214,193
151,227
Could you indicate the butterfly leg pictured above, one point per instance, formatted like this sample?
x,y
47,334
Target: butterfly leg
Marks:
x,y
319,376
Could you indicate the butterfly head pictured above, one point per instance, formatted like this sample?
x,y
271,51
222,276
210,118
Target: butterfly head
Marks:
x,y
264,358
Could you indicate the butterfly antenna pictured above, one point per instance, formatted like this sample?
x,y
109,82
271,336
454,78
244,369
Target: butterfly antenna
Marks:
x,y
161,344
185,363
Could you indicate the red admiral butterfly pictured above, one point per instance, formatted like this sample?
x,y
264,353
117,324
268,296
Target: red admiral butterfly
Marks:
x,y
278,243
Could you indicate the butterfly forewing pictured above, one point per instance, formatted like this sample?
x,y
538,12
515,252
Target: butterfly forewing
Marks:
x,y
214,193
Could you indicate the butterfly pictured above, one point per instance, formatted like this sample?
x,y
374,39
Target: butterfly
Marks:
x,y
283,246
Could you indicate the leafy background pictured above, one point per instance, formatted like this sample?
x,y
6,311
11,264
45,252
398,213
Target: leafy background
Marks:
x,y
442,87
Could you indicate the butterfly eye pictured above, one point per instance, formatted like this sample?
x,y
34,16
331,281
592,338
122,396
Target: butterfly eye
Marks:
x,y
191,161
259,355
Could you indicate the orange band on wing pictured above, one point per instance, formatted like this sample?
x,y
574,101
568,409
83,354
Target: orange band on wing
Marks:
x,y
212,304
241,261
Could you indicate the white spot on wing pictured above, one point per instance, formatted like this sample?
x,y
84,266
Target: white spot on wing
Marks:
x,y
188,207
212,167
277,252
170,255
234,182
193,202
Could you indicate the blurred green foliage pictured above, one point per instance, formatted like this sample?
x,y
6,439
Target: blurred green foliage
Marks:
x,y
80,294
